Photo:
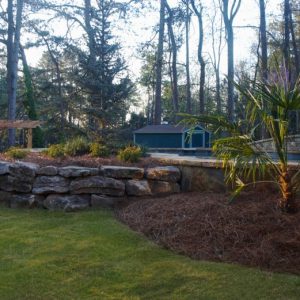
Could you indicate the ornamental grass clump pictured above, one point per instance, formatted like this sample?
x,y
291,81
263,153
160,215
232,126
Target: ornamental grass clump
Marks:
x,y
130,154
16,153
77,146
269,106
55,151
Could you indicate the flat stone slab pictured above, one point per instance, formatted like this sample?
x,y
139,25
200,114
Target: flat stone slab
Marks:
x,y
171,174
74,171
5,198
14,184
164,187
47,171
102,201
4,165
67,203
51,184
138,188
98,185
23,201
122,172
24,171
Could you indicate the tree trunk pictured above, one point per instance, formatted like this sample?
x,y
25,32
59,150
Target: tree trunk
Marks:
x,y
264,51
13,42
286,47
174,59
263,40
294,42
216,58
230,74
287,203
159,63
229,16
187,60
200,57
218,92
59,90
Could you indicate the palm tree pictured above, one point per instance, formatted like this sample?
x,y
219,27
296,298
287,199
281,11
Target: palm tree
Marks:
x,y
245,162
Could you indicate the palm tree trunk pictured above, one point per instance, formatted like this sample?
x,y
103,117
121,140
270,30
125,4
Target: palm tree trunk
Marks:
x,y
287,203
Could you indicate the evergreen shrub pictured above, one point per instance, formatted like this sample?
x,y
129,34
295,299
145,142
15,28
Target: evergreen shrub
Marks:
x,y
98,150
130,154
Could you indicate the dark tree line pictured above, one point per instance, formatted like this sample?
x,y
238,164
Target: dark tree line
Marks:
x,y
82,83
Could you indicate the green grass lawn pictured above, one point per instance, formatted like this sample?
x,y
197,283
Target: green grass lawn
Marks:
x,y
90,255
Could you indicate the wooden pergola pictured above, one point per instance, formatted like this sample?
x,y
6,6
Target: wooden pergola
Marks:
x,y
21,124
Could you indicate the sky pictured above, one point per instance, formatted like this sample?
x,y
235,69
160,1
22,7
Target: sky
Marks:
x,y
141,29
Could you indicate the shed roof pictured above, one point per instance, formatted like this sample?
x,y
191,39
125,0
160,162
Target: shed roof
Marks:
x,y
165,128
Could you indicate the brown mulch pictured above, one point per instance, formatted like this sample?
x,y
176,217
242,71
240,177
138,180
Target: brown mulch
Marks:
x,y
251,231
82,161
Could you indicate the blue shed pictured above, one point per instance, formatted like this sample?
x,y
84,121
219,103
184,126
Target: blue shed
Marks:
x,y
171,136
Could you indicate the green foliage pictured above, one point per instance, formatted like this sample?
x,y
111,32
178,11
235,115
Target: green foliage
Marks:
x,y
130,154
16,153
144,151
77,146
55,151
269,107
98,150
30,106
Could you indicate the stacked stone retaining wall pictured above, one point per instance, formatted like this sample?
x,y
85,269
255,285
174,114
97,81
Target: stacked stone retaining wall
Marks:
x,y
72,188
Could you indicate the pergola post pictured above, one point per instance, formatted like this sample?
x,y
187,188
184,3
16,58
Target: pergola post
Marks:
x,y
29,139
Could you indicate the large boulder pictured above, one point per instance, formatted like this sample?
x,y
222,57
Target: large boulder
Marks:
x,y
47,171
102,201
171,174
14,184
50,184
4,167
23,201
164,187
5,198
67,203
122,172
138,188
74,171
23,171
98,185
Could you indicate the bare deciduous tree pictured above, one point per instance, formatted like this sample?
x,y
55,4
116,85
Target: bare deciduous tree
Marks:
x,y
229,13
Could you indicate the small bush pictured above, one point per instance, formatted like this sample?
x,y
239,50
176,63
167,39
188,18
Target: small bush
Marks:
x,y
144,150
77,146
55,151
130,154
16,153
98,150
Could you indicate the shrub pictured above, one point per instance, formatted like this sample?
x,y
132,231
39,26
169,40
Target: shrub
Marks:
x,y
16,153
55,151
98,150
130,154
115,147
77,146
144,150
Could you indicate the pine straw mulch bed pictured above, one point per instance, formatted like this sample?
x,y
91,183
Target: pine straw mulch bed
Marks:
x,y
250,231
82,161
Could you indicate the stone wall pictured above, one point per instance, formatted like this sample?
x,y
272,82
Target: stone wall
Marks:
x,y
25,185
